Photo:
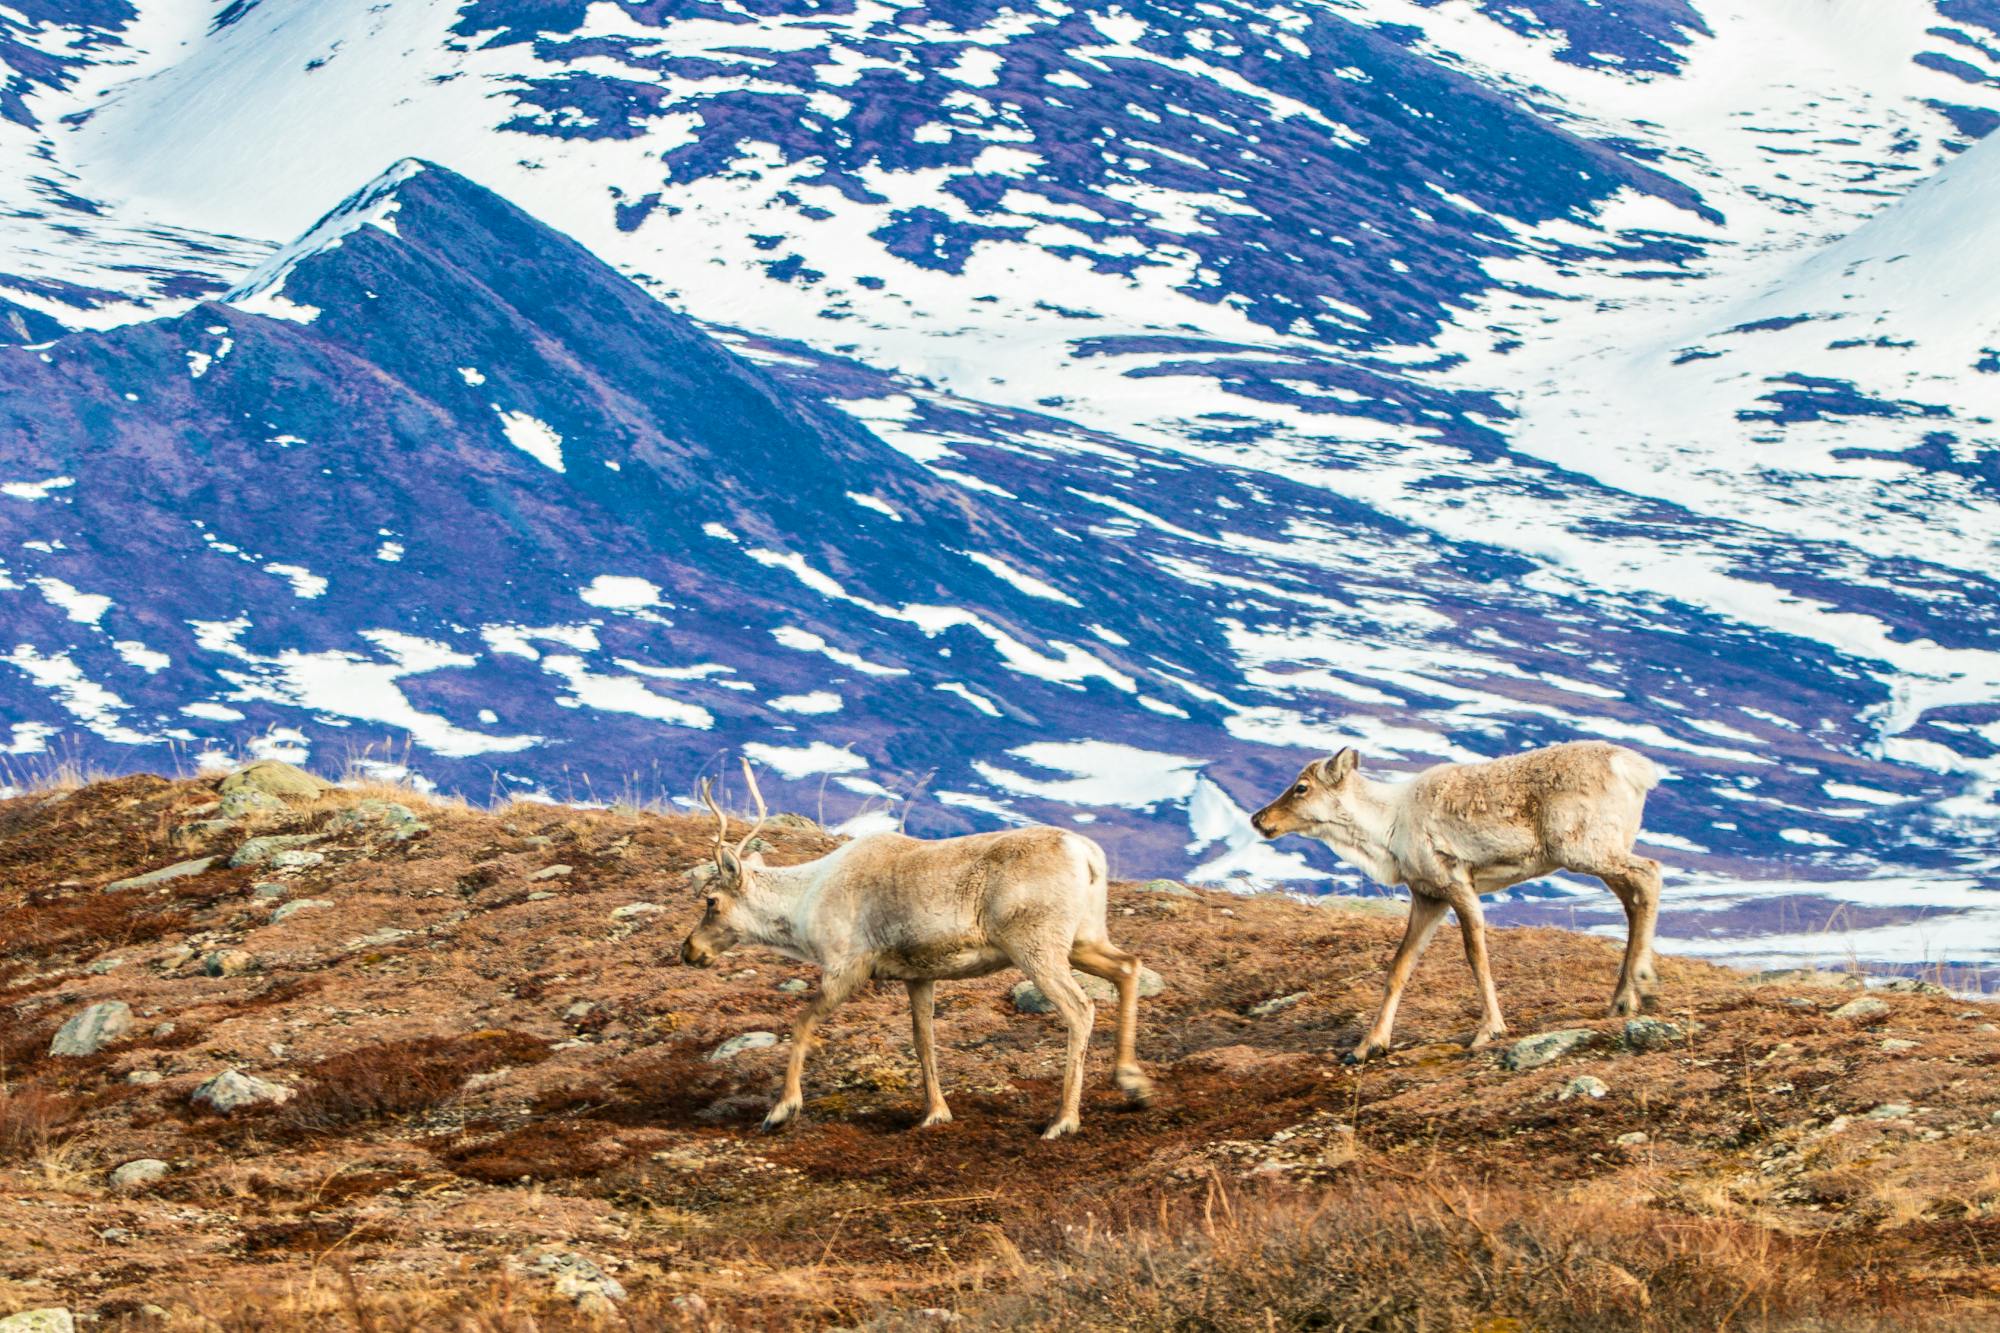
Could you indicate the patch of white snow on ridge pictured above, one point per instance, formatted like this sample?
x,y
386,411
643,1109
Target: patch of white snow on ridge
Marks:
x,y
621,592
34,490
1102,773
533,437
806,760
816,701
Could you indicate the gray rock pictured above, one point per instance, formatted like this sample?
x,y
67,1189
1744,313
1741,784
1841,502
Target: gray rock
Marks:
x,y
392,819
49,1319
630,910
1583,1085
1632,1140
1899,1044
1993,1119
267,849
273,778
1913,986
92,1029
201,830
246,801
375,939
1656,1034
540,896
1889,1111
178,870
1867,1006
786,819
1369,905
269,888
1807,976
228,963
142,1171
104,965
230,1091
582,1281
537,840
143,1077
794,985
1544,1047
1028,997
554,872
749,1041
298,905
1277,1004
1166,888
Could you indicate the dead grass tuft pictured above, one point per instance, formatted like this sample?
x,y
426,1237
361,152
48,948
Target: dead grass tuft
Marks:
x,y
401,1079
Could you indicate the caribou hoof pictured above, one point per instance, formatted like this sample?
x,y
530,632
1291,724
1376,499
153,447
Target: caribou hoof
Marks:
x,y
940,1115
1067,1125
1138,1089
781,1115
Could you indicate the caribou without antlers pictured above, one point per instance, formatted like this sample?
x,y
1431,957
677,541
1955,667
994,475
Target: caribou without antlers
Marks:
x,y
1459,830
899,908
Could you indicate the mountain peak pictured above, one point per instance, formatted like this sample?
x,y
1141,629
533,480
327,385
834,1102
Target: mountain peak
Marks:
x,y
374,204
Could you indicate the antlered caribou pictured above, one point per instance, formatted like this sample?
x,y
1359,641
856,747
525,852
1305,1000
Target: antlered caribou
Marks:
x,y
920,912
1457,831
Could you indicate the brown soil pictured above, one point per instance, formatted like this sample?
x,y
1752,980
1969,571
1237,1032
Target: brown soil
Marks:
x,y
484,1078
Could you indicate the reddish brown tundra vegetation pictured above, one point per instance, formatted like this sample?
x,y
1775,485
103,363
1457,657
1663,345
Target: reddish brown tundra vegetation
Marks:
x,y
496,1072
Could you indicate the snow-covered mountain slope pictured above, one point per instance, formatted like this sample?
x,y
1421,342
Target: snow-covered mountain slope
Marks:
x,y
1426,373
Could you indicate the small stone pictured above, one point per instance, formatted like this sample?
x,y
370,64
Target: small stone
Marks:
x,y
743,975
630,910
701,874
269,888
1899,1044
538,840
1544,1047
1867,1006
1165,887
1371,905
794,985
1276,1004
115,1236
230,1091
540,896
1028,997
554,872
267,849
143,1077
1993,1119
92,1029
141,1171
104,965
787,819
49,1319
228,963
294,858
178,870
1889,1111
580,1010
1632,1140
1655,1034
1583,1085
1913,986
749,1041
297,905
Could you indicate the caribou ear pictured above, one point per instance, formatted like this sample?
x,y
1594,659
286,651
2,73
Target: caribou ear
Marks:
x,y
1337,766
732,865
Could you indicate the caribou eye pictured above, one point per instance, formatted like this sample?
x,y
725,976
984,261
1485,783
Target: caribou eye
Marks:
x,y
1299,790
711,902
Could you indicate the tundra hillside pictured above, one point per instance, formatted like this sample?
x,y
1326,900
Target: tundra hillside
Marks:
x,y
464,1083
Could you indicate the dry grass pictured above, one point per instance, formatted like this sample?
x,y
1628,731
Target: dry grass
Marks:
x,y
403,1079
1432,1256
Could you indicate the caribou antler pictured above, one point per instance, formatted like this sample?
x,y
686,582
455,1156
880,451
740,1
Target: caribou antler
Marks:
x,y
721,820
758,797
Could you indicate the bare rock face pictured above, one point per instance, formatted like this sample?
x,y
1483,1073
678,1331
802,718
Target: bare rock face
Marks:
x,y
93,1029
272,778
53,1319
271,848
231,1091
178,870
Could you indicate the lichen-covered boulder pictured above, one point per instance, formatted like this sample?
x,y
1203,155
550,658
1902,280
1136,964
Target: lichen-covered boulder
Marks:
x,y
273,778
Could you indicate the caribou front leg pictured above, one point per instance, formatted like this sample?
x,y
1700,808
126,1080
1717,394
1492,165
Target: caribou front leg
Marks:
x,y
834,988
